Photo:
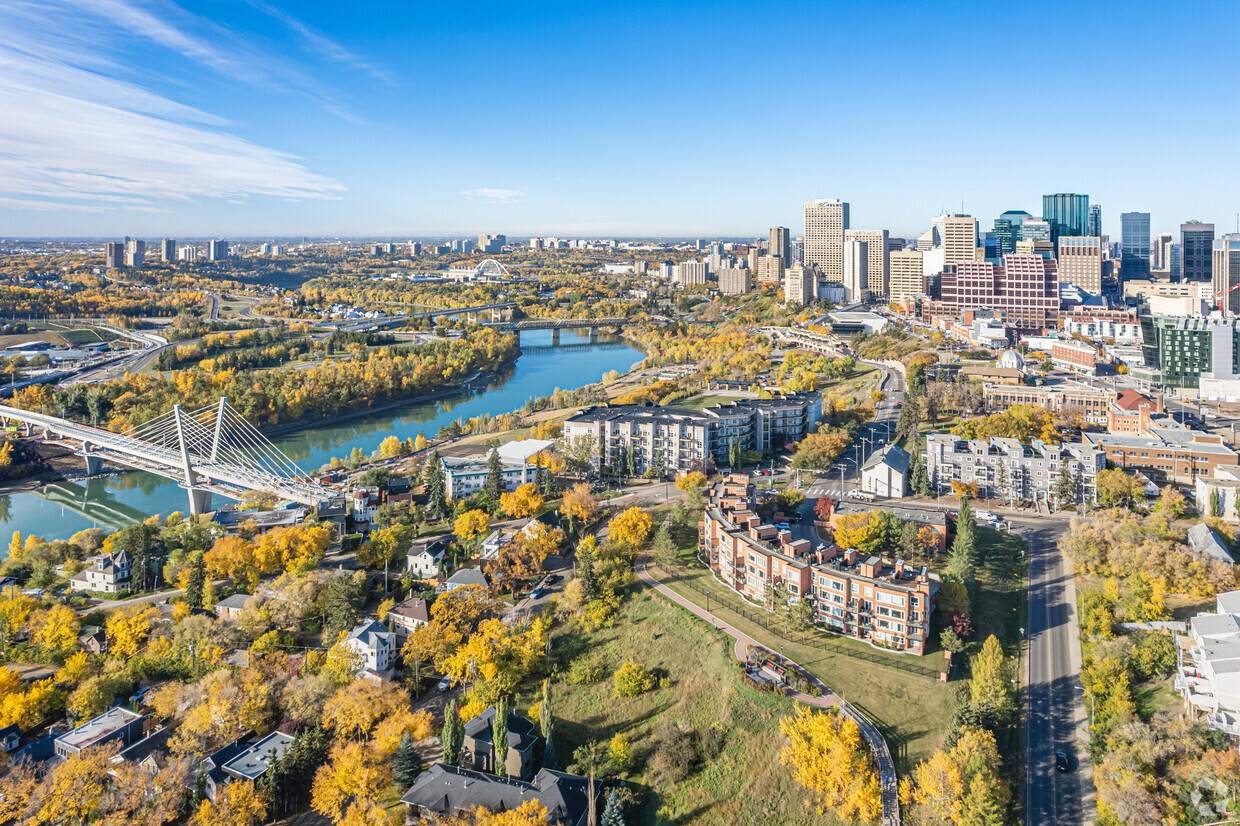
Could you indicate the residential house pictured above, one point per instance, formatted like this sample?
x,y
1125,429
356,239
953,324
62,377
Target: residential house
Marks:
x,y
366,502
230,608
885,473
1225,484
149,753
92,639
398,490
106,573
232,519
424,560
114,724
243,761
478,748
377,647
446,790
464,576
1204,542
407,617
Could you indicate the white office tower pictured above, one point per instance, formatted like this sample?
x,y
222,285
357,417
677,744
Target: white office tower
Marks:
x,y
825,223
800,285
856,270
878,249
135,253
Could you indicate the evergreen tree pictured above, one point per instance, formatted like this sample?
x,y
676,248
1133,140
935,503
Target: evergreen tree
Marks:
x,y
197,579
919,477
732,452
1216,503
964,548
664,549
1003,484
585,571
200,788
907,543
620,461
906,423
452,735
406,765
612,814
436,488
499,736
1065,487
495,475
546,724
981,805
540,477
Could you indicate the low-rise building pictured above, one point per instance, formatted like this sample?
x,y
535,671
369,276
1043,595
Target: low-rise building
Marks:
x,y
1222,486
1120,326
885,473
1208,666
478,746
446,790
376,646
1168,453
1074,356
1132,414
462,577
230,608
465,475
1205,543
243,761
114,724
407,617
1006,469
1064,397
424,559
106,573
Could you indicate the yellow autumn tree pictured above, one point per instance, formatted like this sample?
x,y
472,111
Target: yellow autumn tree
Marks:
x,y
55,628
297,549
578,504
693,480
128,628
829,756
77,786
522,502
498,656
233,557
237,804
471,526
355,774
632,527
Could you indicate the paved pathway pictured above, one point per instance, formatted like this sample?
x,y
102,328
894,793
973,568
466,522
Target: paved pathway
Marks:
x,y
882,755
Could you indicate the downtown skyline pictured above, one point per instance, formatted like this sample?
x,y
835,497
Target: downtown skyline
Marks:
x,y
250,119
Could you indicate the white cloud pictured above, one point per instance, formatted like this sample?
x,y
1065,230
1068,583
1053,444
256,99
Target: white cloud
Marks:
x,y
499,196
75,129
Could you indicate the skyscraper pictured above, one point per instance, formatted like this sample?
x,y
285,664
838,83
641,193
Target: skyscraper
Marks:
x,y
877,252
959,239
825,222
168,249
1225,268
135,253
906,278
217,250
1007,230
1067,213
1035,229
856,269
1094,225
801,285
1080,262
1135,240
1162,251
114,254
1196,247
781,244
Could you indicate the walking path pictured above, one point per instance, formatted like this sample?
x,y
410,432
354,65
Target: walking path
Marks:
x,y
878,744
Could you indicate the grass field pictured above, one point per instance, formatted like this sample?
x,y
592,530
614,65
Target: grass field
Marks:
x,y
743,785
701,402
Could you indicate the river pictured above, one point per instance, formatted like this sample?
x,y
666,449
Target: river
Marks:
x,y
63,508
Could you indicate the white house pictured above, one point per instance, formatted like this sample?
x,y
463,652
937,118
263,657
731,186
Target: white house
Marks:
x,y
885,473
1208,666
376,645
408,616
107,573
424,560
466,475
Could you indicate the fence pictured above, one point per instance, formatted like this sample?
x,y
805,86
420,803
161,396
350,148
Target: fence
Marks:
x,y
818,639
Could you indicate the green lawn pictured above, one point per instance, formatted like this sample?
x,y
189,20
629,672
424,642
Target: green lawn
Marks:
x,y
743,785
703,401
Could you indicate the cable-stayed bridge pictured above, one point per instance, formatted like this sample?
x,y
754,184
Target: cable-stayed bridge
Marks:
x,y
209,450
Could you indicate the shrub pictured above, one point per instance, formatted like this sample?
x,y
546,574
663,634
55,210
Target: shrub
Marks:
x,y
675,751
633,679
588,668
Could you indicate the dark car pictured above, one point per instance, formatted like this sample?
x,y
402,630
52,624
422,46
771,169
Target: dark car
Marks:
x,y
552,579
1061,761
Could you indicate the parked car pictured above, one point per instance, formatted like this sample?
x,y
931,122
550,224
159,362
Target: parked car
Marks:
x,y
445,684
538,593
552,579
1061,761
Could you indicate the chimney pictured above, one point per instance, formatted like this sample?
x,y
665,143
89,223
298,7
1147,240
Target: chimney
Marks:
x,y
899,567
850,556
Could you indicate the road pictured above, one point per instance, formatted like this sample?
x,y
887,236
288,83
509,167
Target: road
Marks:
x,y
1054,714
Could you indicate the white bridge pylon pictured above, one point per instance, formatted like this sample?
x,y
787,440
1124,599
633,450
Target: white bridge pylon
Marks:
x,y
210,449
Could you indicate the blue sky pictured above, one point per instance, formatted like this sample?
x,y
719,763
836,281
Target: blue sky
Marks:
x,y
252,118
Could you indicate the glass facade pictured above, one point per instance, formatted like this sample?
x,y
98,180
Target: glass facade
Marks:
x,y
1135,246
1007,230
1067,213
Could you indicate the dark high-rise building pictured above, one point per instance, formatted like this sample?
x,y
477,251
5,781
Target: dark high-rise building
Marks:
x,y
1196,247
168,249
1094,224
114,252
781,244
1135,245
1067,213
1007,230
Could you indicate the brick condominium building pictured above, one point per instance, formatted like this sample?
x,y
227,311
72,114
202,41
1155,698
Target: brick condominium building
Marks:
x,y
1166,453
1025,289
1091,402
881,601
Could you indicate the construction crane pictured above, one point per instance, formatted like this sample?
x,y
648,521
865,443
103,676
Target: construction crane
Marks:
x,y
1219,296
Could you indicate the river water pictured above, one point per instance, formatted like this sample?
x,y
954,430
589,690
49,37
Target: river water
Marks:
x,y
63,508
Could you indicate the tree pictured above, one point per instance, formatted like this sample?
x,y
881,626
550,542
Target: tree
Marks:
x,y
522,502
829,756
197,579
546,725
1172,503
578,504
452,735
1065,486
436,488
1216,503
406,764
464,609
1003,482
56,628
619,754
233,557
690,481
471,526
632,527
139,541
964,547
585,568
612,814
632,679
499,736
664,549
1118,489
919,477
577,452
982,806
990,687
128,628
495,475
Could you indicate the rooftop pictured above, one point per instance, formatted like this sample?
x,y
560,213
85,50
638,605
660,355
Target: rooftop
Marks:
x,y
447,789
97,729
253,762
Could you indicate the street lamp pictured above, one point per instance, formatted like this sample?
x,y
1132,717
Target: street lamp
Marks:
x,y
1091,705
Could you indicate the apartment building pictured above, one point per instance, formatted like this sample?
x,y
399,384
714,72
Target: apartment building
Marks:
x,y
1167,453
1006,469
1075,356
877,257
884,602
770,269
735,280
1177,351
1207,673
1025,290
1080,262
1119,326
907,278
680,440
464,475
690,273
800,285
1090,402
